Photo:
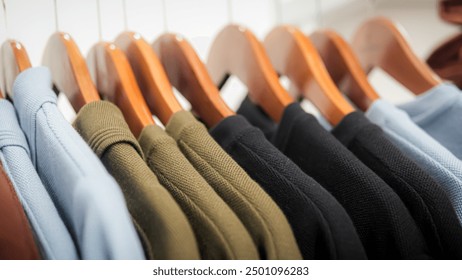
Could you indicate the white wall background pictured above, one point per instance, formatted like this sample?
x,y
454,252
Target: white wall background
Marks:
x,y
33,21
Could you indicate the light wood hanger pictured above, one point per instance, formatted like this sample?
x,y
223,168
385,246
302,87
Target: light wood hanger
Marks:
x,y
69,70
294,56
116,82
344,67
150,76
14,61
189,76
236,51
379,43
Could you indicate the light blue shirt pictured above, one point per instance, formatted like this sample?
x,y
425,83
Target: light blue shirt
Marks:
x,y
428,153
87,197
439,113
51,234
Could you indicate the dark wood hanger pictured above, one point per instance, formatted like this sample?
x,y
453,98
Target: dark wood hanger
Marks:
x,y
189,76
69,70
236,51
450,11
344,68
14,60
379,43
116,82
150,75
446,60
294,56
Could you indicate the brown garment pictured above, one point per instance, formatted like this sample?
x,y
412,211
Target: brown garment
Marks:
x,y
219,232
160,222
16,237
261,216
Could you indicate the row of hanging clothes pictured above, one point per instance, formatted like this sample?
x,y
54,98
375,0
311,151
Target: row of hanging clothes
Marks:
x,y
269,181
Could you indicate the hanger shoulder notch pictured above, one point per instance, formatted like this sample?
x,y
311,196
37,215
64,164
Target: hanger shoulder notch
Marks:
x,y
189,76
150,75
380,43
116,82
237,51
294,56
344,68
69,70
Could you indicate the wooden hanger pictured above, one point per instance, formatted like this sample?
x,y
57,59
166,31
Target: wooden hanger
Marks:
x,y
69,70
293,55
14,61
344,67
379,43
236,51
450,10
189,76
150,76
116,82
446,60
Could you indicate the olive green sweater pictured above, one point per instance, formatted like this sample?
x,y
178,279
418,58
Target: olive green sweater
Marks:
x,y
261,216
219,232
161,224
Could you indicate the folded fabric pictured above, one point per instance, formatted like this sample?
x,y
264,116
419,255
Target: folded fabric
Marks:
x,y
382,220
52,237
219,232
321,226
437,112
426,200
86,196
264,220
16,237
416,144
159,220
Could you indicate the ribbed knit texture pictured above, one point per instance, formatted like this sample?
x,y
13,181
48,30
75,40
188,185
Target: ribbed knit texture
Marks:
x,y
383,222
219,232
160,221
52,236
261,216
437,112
321,226
16,238
426,200
416,144
86,196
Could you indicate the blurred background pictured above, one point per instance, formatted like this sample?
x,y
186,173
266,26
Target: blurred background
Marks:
x,y
33,21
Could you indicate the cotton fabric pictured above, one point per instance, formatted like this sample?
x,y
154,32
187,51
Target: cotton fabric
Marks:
x,y
437,112
160,221
86,196
321,225
52,237
219,232
261,216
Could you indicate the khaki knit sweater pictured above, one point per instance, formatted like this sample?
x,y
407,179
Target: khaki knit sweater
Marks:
x,y
161,224
219,232
261,216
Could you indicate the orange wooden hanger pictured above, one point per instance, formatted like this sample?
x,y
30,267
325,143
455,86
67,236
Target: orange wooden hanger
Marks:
x,y
344,68
189,76
236,51
116,82
379,43
69,70
293,55
14,61
150,75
